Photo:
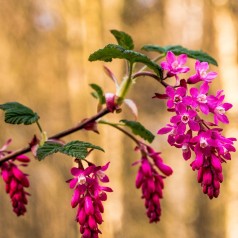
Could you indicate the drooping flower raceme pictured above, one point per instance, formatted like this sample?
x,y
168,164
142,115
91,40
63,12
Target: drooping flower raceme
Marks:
x,y
150,180
88,196
16,181
190,132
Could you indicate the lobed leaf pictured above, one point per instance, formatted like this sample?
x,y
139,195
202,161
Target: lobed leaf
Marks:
x,y
48,148
138,129
178,49
16,113
78,149
112,51
123,39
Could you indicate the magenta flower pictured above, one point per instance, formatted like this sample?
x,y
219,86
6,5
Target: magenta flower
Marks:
x,y
175,96
218,107
158,161
211,149
174,64
184,142
201,73
16,181
173,135
199,98
88,196
151,184
210,176
150,181
183,118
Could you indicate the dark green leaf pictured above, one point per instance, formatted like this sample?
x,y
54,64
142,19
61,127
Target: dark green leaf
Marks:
x,y
112,51
161,49
139,129
78,149
16,113
177,50
48,148
123,39
201,56
98,93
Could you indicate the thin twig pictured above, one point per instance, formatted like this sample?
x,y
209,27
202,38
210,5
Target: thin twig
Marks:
x,y
149,74
59,135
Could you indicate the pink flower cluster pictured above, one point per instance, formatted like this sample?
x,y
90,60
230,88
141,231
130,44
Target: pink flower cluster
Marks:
x,y
188,131
151,181
88,196
16,181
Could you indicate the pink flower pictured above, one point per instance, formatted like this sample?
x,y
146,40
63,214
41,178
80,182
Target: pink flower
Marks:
x,y
201,73
211,149
218,107
199,98
175,96
150,181
88,196
174,64
210,177
183,118
16,181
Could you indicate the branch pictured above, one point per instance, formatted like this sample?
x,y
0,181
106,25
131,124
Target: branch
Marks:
x,y
59,135
145,73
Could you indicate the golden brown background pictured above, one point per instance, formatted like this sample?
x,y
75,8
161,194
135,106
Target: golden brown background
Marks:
x,y
44,46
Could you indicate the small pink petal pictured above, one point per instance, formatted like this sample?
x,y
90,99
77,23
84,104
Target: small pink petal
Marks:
x,y
73,182
75,198
76,171
164,130
88,205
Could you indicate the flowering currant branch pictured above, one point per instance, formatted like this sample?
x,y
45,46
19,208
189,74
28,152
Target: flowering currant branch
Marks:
x,y
59,135
198,138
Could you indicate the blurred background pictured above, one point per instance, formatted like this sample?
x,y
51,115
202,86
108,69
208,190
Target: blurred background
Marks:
x,y
44,47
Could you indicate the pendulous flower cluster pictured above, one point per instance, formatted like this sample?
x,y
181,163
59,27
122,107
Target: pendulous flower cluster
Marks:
x,y
16,181
188,130
151,181
88,196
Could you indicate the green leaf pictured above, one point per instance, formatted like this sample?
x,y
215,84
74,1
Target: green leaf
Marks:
x,y
78,149
178,49
98,94
139,129
161,49
123,39
16,113
48,148
112,51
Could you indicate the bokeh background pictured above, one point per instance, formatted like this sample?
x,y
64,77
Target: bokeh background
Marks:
x,y
44,47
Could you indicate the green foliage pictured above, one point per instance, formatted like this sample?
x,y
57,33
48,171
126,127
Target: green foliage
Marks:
x,y
178,49
77,149
48,148
98,93
138,129
123,39
16,113
112,51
